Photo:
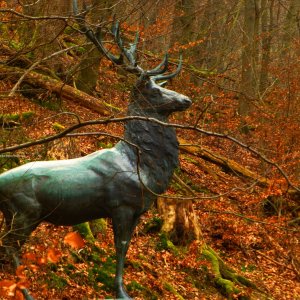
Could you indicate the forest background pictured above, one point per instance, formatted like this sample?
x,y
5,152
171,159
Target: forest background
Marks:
x,y
232,231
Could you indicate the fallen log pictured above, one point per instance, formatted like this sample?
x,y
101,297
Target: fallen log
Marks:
x,y
58,87
230,166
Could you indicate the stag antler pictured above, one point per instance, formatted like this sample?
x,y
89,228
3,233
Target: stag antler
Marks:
x,y
156,73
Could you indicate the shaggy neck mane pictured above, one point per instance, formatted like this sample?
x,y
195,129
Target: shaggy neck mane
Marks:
x,y
158,147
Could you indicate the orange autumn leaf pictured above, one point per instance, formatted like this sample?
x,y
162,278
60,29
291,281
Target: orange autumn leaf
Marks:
x,y
20,272
18,295
29,256
74,240
7,287
53,255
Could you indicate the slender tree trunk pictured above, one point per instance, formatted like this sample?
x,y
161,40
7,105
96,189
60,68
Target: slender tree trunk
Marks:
x,y
249,56
89,66
183,24
42,36
267,35
291,25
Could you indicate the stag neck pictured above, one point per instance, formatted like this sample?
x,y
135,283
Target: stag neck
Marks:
x,y
158,152
135,110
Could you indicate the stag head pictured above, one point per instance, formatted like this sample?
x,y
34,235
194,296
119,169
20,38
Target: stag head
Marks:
x,y
148,95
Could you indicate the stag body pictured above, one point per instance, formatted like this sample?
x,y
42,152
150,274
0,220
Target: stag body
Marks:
x,y
120,183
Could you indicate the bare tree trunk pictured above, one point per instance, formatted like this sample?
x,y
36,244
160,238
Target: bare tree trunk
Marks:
x,y
291,24
183,25
89,65
267,35
215,34
249,55
42,36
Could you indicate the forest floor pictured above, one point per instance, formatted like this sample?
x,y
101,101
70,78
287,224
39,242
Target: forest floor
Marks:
x,y
59,265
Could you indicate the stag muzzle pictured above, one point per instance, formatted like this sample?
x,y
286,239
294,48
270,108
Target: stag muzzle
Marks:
x,y
186,102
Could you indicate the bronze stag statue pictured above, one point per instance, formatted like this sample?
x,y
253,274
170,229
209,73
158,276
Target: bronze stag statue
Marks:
x,y
119,183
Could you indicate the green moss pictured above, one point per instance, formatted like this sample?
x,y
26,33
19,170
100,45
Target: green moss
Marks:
x,y
58,127
203,73
225,278
85,230
134,286
103,272
69,269
15,45
55,281
226,286
135,264
17,117
171,289
153,225
166,244
98,226
100,267
8,161
105,145
27,115
210,256
50,102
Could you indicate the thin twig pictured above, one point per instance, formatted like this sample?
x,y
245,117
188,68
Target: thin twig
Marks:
x,y
131,118
13,90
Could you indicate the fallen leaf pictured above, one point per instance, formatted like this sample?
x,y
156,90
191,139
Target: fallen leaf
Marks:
x,y
53,255
7,287
74,240
18,295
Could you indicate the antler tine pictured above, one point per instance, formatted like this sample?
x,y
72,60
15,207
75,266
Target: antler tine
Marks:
x,y
158,69
97,41
130,53
171,75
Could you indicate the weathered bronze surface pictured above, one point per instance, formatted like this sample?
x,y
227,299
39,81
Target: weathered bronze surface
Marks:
x,y
119,183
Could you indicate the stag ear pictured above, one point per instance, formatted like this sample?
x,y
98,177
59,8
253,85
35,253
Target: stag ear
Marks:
x,y
144,78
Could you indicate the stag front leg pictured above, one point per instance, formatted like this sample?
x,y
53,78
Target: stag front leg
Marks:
x,y
124,223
